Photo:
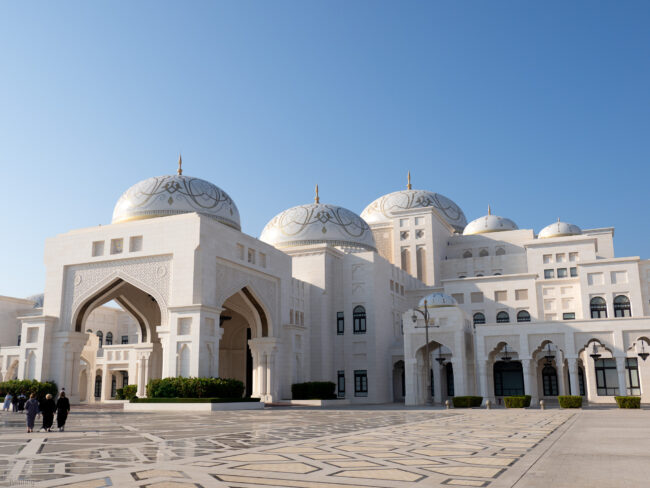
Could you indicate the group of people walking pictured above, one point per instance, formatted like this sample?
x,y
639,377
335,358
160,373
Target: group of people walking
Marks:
x,y
47,407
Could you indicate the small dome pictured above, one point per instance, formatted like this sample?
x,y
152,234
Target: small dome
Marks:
x,y
489,223
438,300
559,229
162,196
383,209
317,223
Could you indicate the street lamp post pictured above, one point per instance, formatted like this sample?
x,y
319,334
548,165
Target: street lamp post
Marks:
x,y
427,360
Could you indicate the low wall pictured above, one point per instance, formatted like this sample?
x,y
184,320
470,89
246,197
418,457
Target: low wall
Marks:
x,y
318,403
191,407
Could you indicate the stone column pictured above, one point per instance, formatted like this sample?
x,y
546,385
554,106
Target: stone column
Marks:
x,y
437,382
410,372
530,380
561,378
483,380
620,369
459,376
573,375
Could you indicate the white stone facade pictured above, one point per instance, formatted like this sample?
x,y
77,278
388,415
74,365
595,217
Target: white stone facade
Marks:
x,y
325,296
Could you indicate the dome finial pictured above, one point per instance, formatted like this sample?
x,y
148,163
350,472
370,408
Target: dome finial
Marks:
x,y
489,210
408,181
180,165
558,219
317,198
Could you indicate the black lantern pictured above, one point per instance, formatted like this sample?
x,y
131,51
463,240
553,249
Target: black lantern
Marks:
x,y
440,359
594,353
549,354
505,356
643,354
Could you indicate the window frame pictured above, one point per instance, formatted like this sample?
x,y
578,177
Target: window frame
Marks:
x,y
523,316
622,308
503,314
601,366
360,382
340,384
359,320
340,323
598,310
478,322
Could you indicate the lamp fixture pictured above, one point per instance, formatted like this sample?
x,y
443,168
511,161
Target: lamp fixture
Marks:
x,y
505,356
594,353
643,354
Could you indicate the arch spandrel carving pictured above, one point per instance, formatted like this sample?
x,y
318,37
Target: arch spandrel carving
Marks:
x,y
83,281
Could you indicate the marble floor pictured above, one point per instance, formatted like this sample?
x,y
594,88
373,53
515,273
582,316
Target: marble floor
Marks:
x,y
380,447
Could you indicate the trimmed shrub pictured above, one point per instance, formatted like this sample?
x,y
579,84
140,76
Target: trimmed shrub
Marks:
x,y
570,401
192,400
40,388
467,401
126,393
628,401
520,401
313,390
194,388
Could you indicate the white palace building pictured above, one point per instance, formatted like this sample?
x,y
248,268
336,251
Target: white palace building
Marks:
x,y
327,295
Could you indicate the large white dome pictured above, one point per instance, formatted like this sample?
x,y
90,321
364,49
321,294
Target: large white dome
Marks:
x,y
161,196
559,229
383,209
489,223
317,223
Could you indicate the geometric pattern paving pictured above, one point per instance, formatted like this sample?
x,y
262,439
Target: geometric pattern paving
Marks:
x,y
372,447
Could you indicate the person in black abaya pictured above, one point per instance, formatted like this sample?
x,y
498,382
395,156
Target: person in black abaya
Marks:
x,y
47,410
62,410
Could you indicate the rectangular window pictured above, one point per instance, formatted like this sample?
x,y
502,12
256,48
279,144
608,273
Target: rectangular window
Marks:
x,y
595,279
359,320
606,377
521,294
549,273
135,244
548,258
419,220
632,377
98,248
403,222
561,273
573,272
125,339
361,383
459,297
340,323
401,290
251,256
560,258
263,260
476,297
568,316
500,296
341,384
117,246
240,251
392,284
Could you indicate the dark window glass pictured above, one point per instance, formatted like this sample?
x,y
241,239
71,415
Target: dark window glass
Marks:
x,y
98,386
503,318
125,339
561,273
598,307
632,377
606,377
549,273
109,339
113,386
361,383
581,381
450,380
574,272
622,306
100,334
569,316
19,336
340,323
359,320
523,316
125,378
549,381
508,378
479,318
341,384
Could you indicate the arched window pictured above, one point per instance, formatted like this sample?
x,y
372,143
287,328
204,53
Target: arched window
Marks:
x,y
483,253
523,316
479,318
421,259
467,254
98,386
598,307
109,339
549,381
406,260
359,320
503,318
622,306
100,335
500,251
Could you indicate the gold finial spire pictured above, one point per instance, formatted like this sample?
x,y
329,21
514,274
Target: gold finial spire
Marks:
x,y
316,198
489,210
408,181
180,165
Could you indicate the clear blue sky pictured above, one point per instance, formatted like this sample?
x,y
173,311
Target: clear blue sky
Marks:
x,y
541,109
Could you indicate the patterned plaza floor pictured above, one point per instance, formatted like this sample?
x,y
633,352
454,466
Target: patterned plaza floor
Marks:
x,y
379,447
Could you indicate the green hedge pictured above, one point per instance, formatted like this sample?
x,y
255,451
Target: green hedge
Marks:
x,y
195,388
313,390
570,401
521,401
628,402
16,387
192,400
467,401
126,393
